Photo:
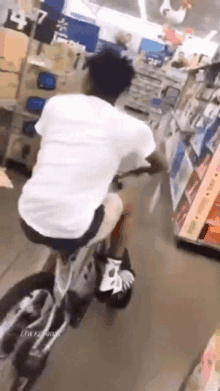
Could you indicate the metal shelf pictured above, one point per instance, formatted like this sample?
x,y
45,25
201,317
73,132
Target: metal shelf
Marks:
x,y
8,104
49,69
199,243
137,107
30,115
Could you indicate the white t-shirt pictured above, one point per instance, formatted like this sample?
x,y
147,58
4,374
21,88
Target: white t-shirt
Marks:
x,y
85,141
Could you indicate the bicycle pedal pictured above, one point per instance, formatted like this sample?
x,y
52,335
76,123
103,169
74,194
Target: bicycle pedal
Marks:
x,y
28,361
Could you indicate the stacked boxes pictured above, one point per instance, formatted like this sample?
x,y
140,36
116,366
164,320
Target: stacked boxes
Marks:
x,y
8,85
13,47
50,71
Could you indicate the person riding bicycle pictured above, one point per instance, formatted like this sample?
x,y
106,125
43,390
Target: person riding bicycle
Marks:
x,y
85,140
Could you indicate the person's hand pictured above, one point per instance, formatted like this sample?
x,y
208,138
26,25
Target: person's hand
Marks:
x,y
117,185
158,164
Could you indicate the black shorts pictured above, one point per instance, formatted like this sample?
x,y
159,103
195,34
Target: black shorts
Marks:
x,y
69,245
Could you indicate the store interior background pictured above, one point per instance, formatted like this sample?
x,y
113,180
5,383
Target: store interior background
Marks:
x,y
153,344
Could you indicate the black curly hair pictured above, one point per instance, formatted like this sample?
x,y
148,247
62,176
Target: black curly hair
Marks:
x,y
110,73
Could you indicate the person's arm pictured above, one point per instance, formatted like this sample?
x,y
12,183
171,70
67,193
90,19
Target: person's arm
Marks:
x,y
158,164
48,112
42,122
139,144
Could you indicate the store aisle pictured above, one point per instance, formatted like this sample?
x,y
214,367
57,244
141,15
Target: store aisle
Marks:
x,y
151,345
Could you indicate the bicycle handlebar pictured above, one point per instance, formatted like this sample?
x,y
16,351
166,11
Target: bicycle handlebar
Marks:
x,y
137,172
116,180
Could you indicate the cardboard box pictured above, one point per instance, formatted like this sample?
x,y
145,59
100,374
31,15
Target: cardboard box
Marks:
x,y
49,51
13,47
61,84
9,83
23,149
8,66
74,83
61,57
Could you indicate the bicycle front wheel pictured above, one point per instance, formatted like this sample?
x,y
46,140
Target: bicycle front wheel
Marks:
x,y
21,306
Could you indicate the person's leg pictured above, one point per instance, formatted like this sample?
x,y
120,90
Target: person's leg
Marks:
x,y
116,243
117,276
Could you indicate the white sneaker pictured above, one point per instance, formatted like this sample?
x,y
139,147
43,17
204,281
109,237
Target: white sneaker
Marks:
x,y
116,279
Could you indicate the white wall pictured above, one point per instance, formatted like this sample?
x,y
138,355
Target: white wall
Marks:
x,y
78,7
136,27
200,46
111,21
108,32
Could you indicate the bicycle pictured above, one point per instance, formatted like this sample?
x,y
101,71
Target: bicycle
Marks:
x,y
39,309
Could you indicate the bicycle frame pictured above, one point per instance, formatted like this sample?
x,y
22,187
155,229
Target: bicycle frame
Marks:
x,y
71,277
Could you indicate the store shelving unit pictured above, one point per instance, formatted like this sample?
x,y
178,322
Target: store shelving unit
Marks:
x,y
8,104
194,159
149,82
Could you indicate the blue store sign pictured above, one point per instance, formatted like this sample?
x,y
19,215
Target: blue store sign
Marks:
x,y
52,25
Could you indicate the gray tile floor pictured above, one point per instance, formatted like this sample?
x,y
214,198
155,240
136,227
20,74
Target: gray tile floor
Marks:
x,y
151,345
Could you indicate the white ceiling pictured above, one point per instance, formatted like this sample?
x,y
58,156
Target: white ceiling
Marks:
x,y
203,17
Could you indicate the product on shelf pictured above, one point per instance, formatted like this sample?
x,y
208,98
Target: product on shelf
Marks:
x,y
183,210
5,124
214,141
58,56
63,58
35,104
197,141
196,216
179,179
206,373
46,81
48,51
192,187
203,166
23,149
211,110
211,230
28,128
216,95
203,201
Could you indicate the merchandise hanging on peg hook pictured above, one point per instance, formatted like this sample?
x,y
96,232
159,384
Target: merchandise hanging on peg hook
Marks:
x,y
187,4
175,16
